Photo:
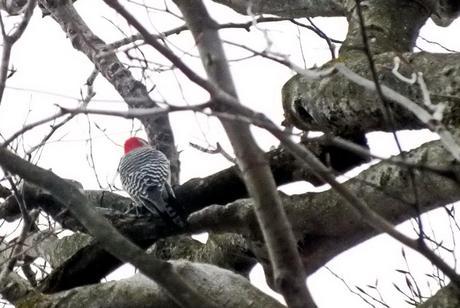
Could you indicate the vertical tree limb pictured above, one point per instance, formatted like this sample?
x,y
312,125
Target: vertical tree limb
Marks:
x,y
288,270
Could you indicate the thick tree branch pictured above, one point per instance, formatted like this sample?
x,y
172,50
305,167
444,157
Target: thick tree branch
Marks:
x,y
443,12
92,263
383,24
10,39
291,8
431,121
338,105
228,250
227,289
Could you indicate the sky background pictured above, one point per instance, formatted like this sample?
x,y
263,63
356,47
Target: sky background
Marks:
x,y
50,73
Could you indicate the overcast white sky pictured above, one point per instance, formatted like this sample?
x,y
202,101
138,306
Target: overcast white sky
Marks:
x,y
50,72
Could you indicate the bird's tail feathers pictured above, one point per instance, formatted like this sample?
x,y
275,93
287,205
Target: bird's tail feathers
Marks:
x,y
161,208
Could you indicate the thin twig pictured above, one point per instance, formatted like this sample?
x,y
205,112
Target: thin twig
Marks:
x,y
217,150
387,112
9,40
130,114
289,277
28,221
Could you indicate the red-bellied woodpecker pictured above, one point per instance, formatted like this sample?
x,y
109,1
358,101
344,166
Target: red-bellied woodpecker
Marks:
x,y
145,176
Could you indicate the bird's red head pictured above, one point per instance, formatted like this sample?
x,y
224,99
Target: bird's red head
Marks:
x,y
134,143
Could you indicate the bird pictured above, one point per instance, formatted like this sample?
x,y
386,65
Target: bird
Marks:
x,y
145,175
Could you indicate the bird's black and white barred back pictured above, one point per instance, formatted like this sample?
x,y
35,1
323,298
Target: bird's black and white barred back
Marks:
x,y
142,168
145,176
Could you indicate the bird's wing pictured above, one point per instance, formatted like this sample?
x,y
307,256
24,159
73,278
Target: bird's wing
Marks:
x,y
153,202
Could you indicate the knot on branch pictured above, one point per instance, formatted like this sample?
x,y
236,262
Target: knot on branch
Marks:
x,y
446,11
238,215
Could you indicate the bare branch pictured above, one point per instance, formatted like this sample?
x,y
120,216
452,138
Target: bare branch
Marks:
x,y
10,39
138,291
447,297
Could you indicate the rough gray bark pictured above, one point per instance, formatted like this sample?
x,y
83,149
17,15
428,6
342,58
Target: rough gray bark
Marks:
x,y
339,106
447,297
229,290
325,226
443,12
291,8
